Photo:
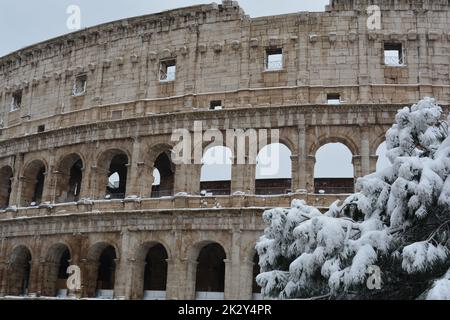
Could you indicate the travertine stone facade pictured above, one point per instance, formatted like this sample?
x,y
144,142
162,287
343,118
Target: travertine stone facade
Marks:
x,y
75,108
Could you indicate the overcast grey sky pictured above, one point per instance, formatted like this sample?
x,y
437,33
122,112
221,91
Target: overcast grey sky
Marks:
x,y
24,22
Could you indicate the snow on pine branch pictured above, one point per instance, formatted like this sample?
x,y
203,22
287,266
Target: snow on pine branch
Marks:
x,y
398,221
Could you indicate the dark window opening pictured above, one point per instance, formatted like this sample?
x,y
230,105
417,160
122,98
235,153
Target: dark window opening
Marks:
x,y
41,128
39,187
19,275
75,179
117,181
16,102
167,70
333,98
211,269
80,85
6,174
63,265
393,54
166,170
106,269
256,289
155,275
26,275
274,59
216,105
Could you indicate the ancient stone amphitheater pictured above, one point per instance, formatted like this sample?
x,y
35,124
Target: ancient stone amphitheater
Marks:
x,y
105,100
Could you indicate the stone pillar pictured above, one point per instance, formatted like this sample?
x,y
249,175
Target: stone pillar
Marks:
x,y
365,152
243,178
124,274
246,280
309,164
3,278
176,268
230,281
189,280
16,186
299,163
187,178
357,165
34,287
134,180
87,186
46,270
233,267
89,277
295,173
98,183
48,194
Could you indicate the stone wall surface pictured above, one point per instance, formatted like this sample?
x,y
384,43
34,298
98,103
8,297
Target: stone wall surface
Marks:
x,y
126,110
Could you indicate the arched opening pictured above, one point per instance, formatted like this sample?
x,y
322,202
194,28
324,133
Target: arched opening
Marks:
x,y
383,161
155,273
6,175
70,174
112,171
57,262
33,184
19,272
165,168
273,170
256,290
333,172
210,275
216,171
106,273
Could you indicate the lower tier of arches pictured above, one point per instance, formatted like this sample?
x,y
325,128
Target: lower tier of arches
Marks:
x,y
152,256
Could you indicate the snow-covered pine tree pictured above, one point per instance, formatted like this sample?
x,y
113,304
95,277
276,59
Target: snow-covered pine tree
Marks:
x,y
399,222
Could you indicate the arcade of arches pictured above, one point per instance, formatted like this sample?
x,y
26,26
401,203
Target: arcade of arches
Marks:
x,y
154,273
117,175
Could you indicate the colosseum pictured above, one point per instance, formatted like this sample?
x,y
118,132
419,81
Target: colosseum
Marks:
x,y
104,101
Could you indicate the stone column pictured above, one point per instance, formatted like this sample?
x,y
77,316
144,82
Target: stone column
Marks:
x,y
134,181
233,267
48,194
87,185
3,278
47,288
296,179
299,162
98,183
189,280
246,280
357,165
176,268
16,186
365,152
309,164
34,286
124,273
187,178
230,281
243,178
88,278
